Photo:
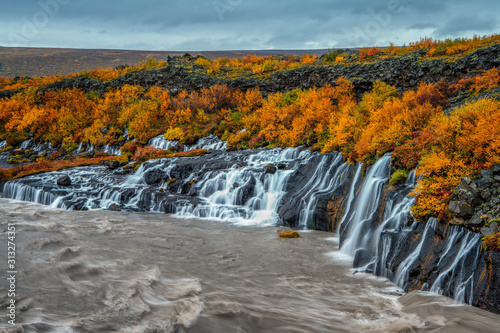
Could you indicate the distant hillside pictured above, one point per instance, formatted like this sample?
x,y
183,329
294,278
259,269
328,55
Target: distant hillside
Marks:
x,y
48,61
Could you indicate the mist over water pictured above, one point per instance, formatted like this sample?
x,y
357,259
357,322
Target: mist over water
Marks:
x,y
104,271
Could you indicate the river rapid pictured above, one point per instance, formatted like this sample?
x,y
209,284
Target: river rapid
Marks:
x,y
105,271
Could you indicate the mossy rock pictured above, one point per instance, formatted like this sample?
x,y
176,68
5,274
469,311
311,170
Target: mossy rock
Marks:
x,y
289,234
398,177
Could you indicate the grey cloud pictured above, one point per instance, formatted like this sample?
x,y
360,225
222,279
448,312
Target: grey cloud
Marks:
x,y
466,24
246,24
421,26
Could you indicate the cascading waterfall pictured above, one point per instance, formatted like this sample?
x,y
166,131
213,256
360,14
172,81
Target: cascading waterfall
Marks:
x,y
457,279
327,177
244,195
361,218
110,150
3,144
241,190
396,245
396,217
210,143
161,143
402,275
247,187
28,193
25,144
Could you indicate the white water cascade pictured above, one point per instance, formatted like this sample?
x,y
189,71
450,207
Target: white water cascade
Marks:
x,y
328,176
161,143
244,194
210,143
112,150
25,144
396,245
248,187
361,216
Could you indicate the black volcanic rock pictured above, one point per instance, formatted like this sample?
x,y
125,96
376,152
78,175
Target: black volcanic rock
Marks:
x,y
405,72
64,181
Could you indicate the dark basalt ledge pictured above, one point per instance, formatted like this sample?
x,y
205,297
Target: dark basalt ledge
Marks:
x,y
405,72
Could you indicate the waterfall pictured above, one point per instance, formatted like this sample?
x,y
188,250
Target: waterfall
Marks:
x,y
362,216
402,250
161,143
457,278
210,143
25,144
243,187
110,150
28,193
3,144
268,186
327,177
244,194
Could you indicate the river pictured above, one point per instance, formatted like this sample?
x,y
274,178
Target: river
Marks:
x,y
105,271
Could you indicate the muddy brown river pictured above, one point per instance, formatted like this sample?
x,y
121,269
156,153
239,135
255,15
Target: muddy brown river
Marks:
x,y
104,271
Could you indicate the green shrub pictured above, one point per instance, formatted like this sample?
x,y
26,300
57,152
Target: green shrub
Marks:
x,y
398,177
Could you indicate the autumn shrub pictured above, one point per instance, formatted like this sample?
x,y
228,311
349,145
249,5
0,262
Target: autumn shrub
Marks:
x,y
489,80
330,56
491,242
148,153
55,155
366,53
174,134
130,147
48,166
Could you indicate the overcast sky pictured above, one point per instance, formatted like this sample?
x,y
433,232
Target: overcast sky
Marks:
x,y
196,25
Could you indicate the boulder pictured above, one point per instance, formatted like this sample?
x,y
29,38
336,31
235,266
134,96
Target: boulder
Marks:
x,y
186,187
361,258
492,229
114,207
496,170
246,191
64,181
270,168
467,191
477,221
461,209
241,164
111,165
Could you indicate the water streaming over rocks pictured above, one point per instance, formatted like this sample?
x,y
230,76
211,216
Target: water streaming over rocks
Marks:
x,y
291,187
211,142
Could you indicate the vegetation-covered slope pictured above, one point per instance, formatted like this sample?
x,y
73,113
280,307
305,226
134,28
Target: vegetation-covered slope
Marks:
x,y
433,104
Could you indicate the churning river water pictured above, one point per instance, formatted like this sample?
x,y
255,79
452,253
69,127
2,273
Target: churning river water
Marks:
x,y
104,271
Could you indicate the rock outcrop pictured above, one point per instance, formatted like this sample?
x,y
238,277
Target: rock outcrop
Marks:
x,y
405,72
